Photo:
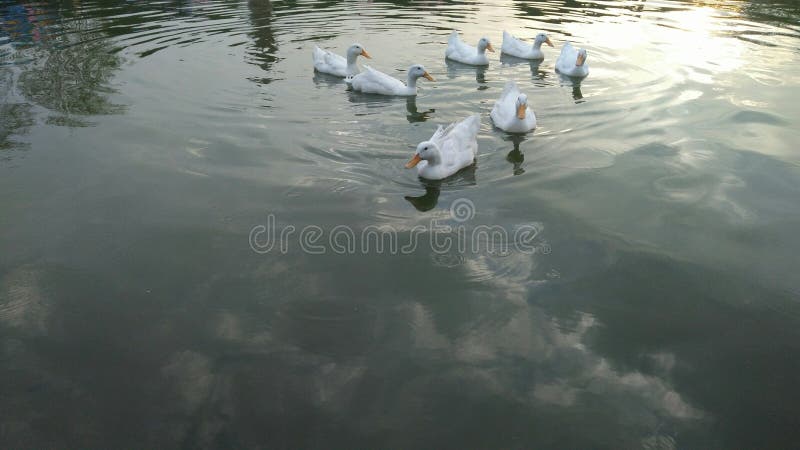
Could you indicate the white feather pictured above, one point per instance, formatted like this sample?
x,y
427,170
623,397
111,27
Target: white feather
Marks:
x,y
373,81
566,62
333,64
457,146
504,112
521,49
459,51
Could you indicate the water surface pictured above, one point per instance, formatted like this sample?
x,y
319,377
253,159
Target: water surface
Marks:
x,y
141,142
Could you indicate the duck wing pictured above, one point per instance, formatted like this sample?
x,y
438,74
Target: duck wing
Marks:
x,y
469,129
512,45
375,81
504,107
458,48
567,53
323,59
510,91
461,139
452,43
440,135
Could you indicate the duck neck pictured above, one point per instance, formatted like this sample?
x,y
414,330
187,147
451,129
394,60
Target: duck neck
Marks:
x,y
537,45
435,158
352,67
412,82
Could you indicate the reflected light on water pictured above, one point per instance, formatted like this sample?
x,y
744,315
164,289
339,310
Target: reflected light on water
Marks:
x,y
687,40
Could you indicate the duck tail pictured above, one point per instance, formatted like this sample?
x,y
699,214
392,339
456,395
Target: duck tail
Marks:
x,y
317,54
453,38
510,87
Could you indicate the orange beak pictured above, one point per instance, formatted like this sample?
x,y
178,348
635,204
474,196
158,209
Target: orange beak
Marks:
x,y
547,41
365,54
414,161
580,59
428,76
521,112
489,47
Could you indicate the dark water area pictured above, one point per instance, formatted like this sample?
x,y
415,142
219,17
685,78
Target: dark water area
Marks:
x,y
145,146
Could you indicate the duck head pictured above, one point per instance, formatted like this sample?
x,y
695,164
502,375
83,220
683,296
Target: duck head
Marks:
x,y
425,150
541,38
484,44
417,71
522,105
356,50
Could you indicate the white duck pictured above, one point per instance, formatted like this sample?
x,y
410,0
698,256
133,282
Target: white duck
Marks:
x,y
333,64
448,150
572,62
516,47
511,111
372,81
459,51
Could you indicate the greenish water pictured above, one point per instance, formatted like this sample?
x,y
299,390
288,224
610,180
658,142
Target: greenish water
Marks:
x,y
142,142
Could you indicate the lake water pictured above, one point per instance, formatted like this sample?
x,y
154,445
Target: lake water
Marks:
x,y
147,149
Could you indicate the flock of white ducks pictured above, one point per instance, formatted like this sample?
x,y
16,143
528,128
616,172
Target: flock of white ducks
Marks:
x,y
455,147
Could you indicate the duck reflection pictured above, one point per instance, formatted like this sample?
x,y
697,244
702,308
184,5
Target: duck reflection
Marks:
x,y
576,93
414,115
537,73
509,60
371,100
515,156
455,68
534,64
323,79
429,200
575,83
